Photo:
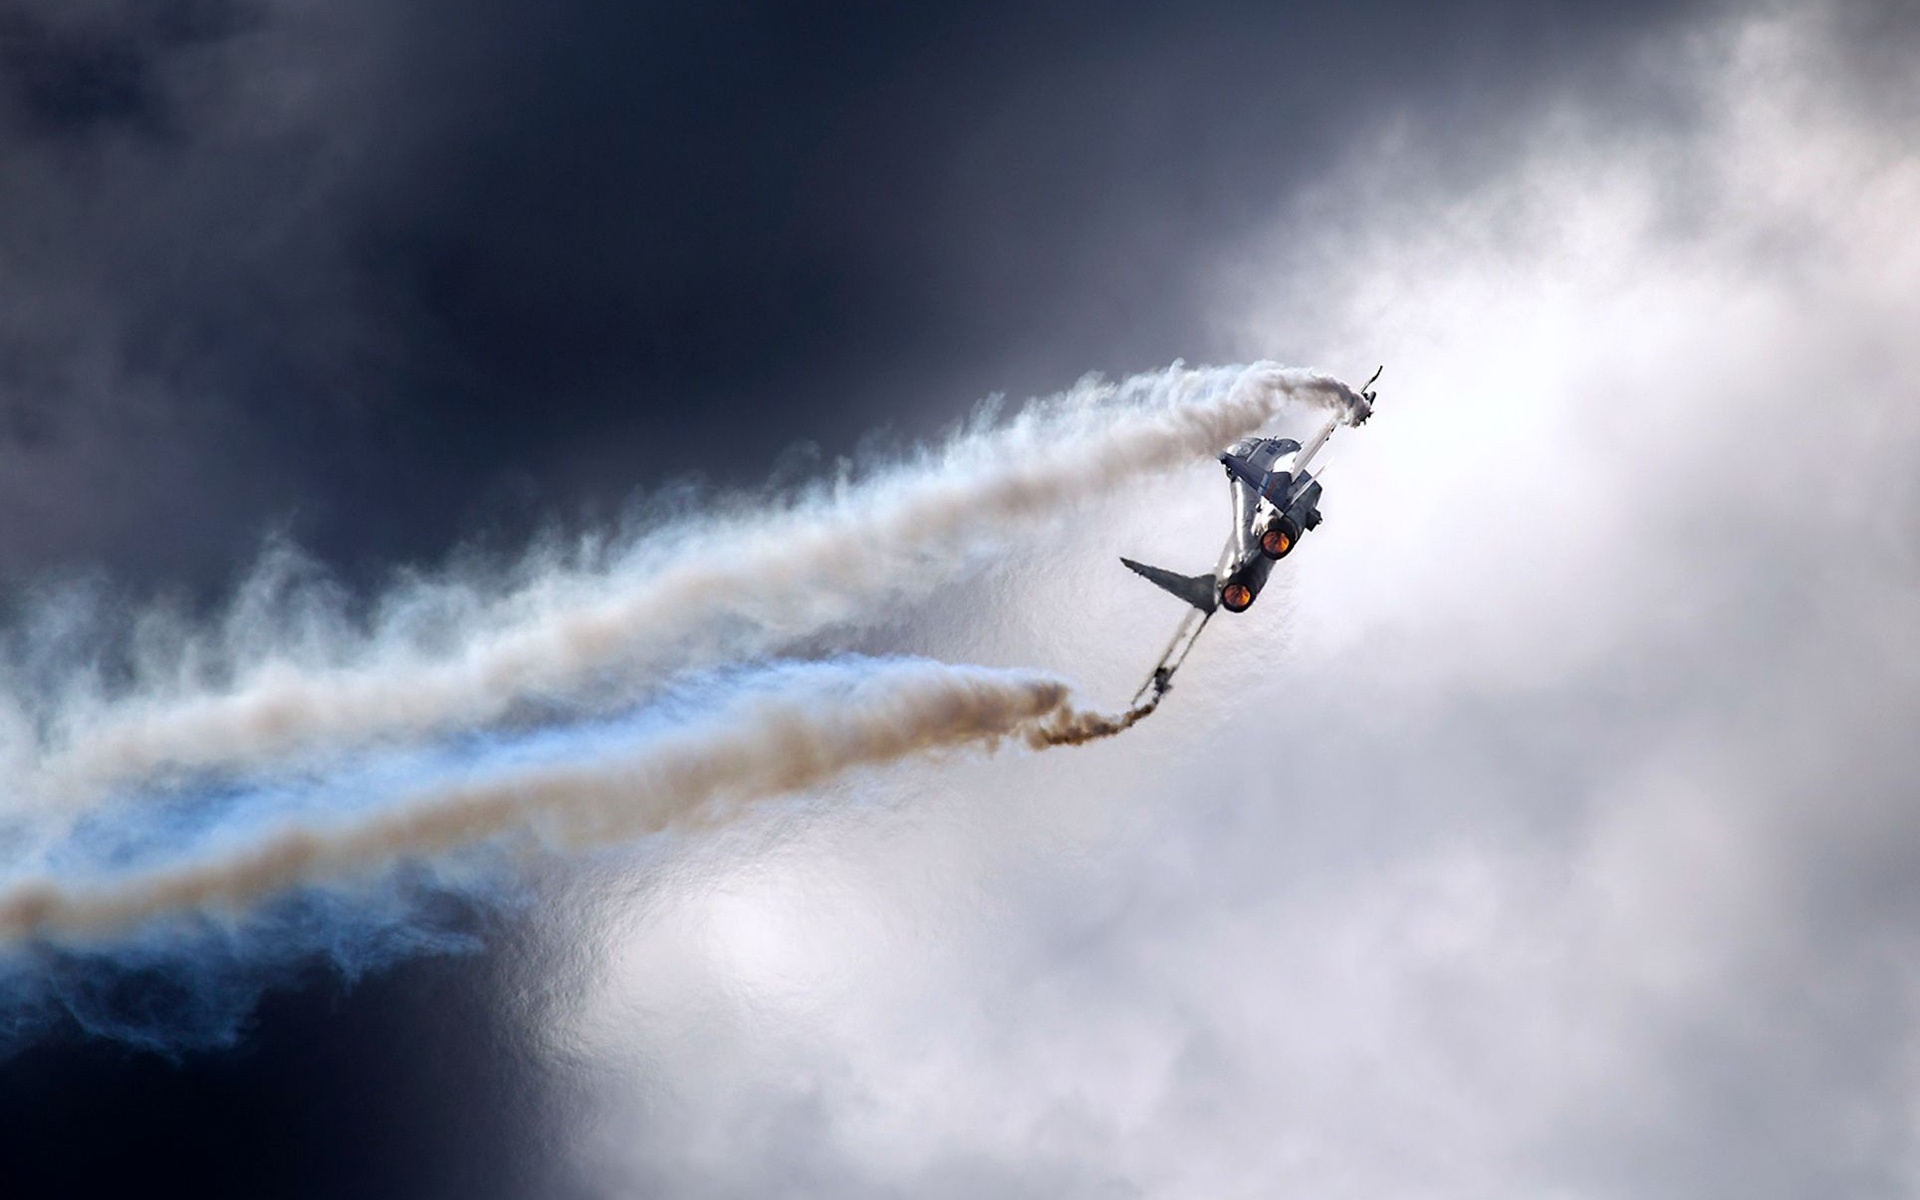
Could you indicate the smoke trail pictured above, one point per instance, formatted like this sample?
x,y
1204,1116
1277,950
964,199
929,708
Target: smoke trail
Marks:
x,y
821,722
1077,727
704,590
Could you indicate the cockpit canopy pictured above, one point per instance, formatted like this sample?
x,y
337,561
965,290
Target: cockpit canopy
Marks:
x,y
1261,453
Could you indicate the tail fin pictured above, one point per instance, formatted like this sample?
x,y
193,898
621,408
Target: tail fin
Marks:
x,y
1267,483
1201,591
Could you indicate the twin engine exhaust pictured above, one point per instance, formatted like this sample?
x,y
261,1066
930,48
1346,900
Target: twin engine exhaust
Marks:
x,y
1237,592
1208,592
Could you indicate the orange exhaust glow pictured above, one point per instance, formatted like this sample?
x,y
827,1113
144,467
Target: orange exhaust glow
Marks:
x,y
1275,542
1236,597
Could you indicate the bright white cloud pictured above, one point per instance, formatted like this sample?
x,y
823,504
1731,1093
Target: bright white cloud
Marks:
x,y
1552,835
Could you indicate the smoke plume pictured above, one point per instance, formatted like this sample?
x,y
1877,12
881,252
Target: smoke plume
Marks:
x,y
290,782
822,722
756,576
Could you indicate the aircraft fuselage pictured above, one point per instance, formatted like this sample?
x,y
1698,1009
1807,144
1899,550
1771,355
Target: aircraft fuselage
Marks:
x,y
1275,503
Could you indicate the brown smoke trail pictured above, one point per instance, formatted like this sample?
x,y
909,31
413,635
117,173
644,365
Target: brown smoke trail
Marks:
x,y
725,588
1077,727
761,747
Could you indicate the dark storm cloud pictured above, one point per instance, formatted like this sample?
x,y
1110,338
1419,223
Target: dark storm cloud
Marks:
x,y
172,308
839,219
78,69
362,268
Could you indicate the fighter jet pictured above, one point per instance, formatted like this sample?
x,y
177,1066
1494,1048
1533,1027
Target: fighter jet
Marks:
x,y
1276,502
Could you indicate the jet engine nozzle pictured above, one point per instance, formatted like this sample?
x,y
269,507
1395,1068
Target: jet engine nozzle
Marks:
x,y
1236,597
1279,539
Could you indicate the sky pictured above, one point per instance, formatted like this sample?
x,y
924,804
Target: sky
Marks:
x,y
1545,830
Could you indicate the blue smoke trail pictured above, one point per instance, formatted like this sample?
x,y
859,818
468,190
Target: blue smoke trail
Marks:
x,y
171,976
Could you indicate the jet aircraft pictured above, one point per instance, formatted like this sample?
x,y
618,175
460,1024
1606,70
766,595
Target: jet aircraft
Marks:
x,y
1276,502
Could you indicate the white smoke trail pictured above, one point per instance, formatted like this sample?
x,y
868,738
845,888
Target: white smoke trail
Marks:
x,y
711,589
843,716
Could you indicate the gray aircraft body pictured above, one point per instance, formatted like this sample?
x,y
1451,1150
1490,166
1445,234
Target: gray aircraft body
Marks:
x,y
1276,502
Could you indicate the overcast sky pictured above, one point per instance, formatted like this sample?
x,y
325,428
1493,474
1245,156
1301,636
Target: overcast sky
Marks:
x,y
1548,827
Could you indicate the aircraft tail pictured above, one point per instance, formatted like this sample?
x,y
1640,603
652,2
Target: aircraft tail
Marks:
x,y
1265,483
1201,591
